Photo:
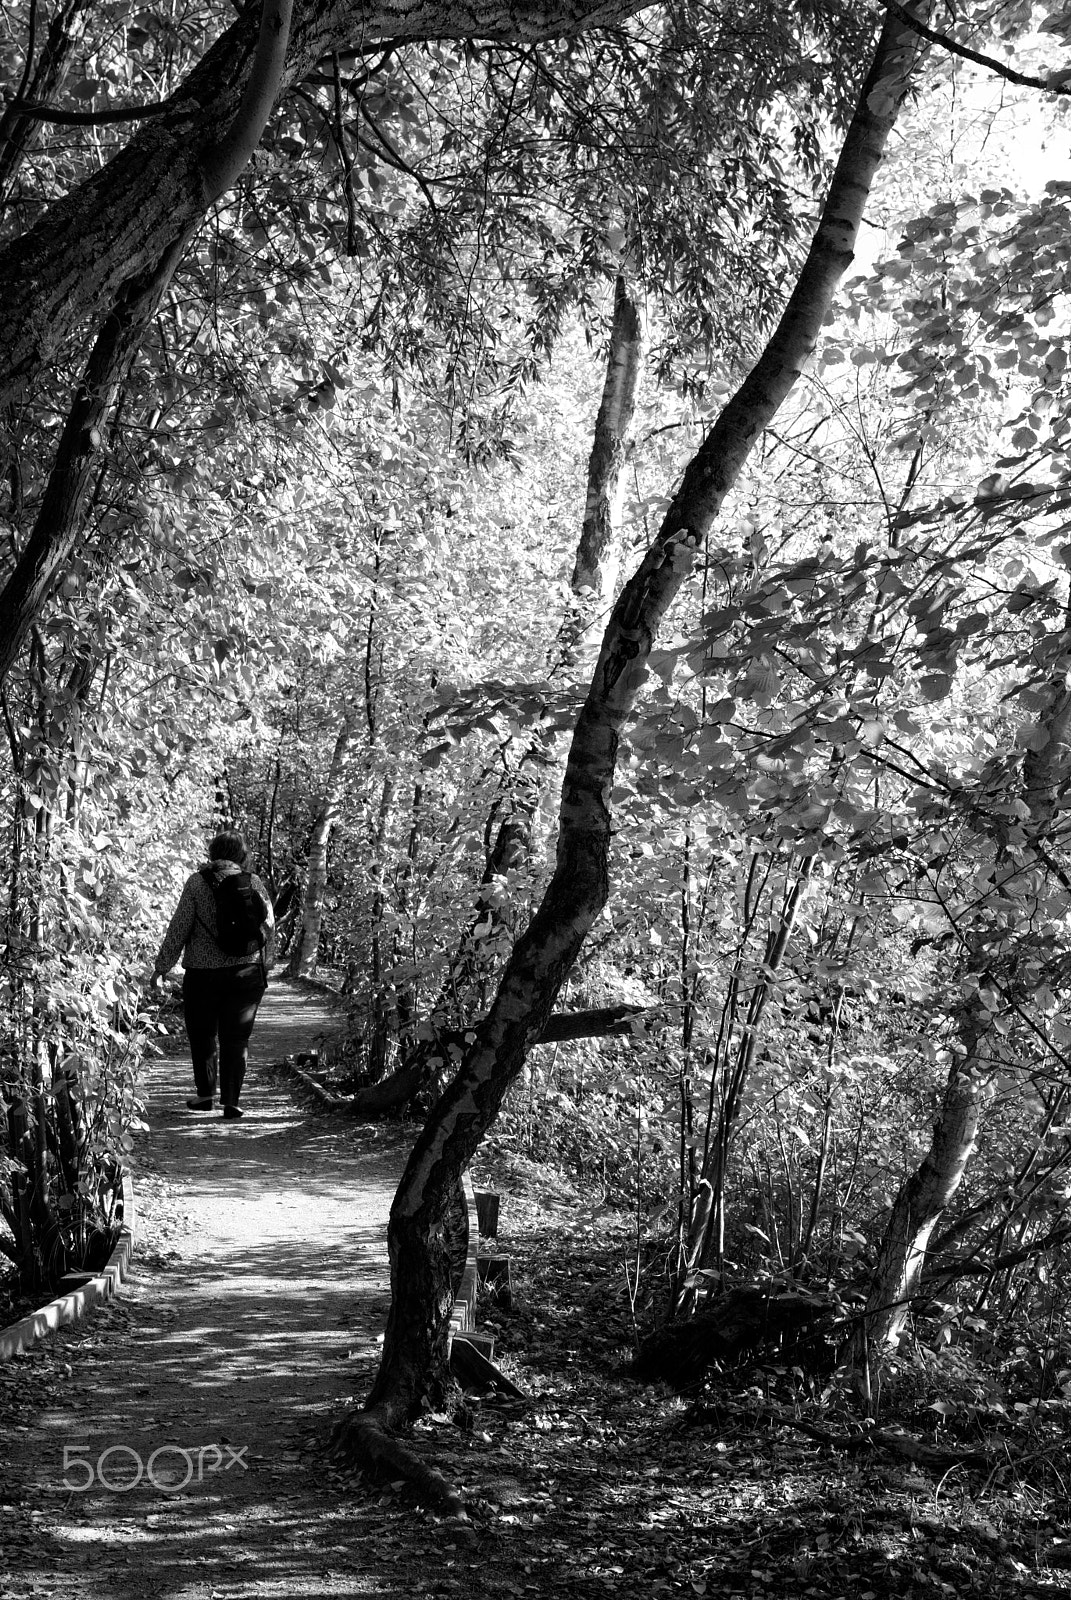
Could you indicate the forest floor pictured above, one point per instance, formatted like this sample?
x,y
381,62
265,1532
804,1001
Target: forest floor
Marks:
x,y
251,1320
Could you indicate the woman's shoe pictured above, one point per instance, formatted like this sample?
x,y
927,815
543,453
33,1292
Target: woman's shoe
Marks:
x,y
231,1113
200,1102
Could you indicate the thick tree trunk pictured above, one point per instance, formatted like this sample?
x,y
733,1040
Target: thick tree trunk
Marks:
x,y
59,521
415,1350
306,946
120,222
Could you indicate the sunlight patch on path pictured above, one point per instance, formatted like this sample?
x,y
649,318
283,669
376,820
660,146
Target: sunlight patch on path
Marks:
x,y
224,1363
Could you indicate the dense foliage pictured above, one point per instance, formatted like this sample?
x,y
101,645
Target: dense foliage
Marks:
x,y
320,585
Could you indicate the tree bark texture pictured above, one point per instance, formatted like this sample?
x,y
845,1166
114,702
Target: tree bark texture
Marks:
x,y
40,82
414,1356
120,222
59,521
597,554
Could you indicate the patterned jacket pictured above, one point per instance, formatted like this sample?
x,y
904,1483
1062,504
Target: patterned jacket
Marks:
x,y
191,931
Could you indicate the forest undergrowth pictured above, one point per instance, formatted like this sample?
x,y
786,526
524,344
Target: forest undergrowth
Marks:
x,y
755,1483
596,1482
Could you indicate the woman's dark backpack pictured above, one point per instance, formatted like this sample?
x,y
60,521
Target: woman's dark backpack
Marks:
x,y
240,913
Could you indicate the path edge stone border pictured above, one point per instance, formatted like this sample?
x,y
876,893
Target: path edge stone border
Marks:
x,y
67,1309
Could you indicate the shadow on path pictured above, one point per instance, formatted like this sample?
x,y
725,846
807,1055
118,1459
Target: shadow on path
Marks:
x,y
166,1447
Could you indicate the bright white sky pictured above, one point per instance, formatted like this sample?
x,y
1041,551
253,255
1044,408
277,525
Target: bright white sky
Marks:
x,y
992,135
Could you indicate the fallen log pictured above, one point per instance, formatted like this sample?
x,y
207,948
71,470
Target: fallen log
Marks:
x,y
897,1443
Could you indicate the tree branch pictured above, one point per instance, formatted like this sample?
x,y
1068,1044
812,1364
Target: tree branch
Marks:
x,y
598,1023
117,223
221,166
395,158
1051,85
88,119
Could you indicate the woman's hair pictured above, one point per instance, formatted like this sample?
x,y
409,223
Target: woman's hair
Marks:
x,y
228,847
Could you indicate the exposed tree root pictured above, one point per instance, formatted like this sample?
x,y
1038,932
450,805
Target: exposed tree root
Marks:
x,y
901,1444
364,1439
939,1457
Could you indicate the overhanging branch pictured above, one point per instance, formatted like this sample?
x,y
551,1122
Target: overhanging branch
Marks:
x,y
1054,84
89,119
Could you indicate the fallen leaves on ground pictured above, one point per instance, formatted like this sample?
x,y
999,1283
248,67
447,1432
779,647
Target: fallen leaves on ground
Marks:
x,y
598,1485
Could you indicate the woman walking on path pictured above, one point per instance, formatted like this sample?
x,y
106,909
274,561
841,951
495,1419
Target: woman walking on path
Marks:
x,y
223,928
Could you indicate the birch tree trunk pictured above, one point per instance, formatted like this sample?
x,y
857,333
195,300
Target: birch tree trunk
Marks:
x,y
306,946
927,1192
598,548
413,1365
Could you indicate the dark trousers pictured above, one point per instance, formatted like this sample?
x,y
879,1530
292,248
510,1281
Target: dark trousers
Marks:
x,y
219,1005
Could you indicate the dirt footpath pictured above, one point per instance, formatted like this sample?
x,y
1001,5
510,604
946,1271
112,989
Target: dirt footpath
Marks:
x,y
169,1446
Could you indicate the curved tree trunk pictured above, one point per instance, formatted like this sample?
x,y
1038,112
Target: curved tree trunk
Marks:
x,y
59,521
414,1356
120,222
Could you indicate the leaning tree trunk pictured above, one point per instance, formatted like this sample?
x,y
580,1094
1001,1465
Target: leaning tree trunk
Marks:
x,y
927,1192
59,520
158,189
414,1357
915,1213
594,574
